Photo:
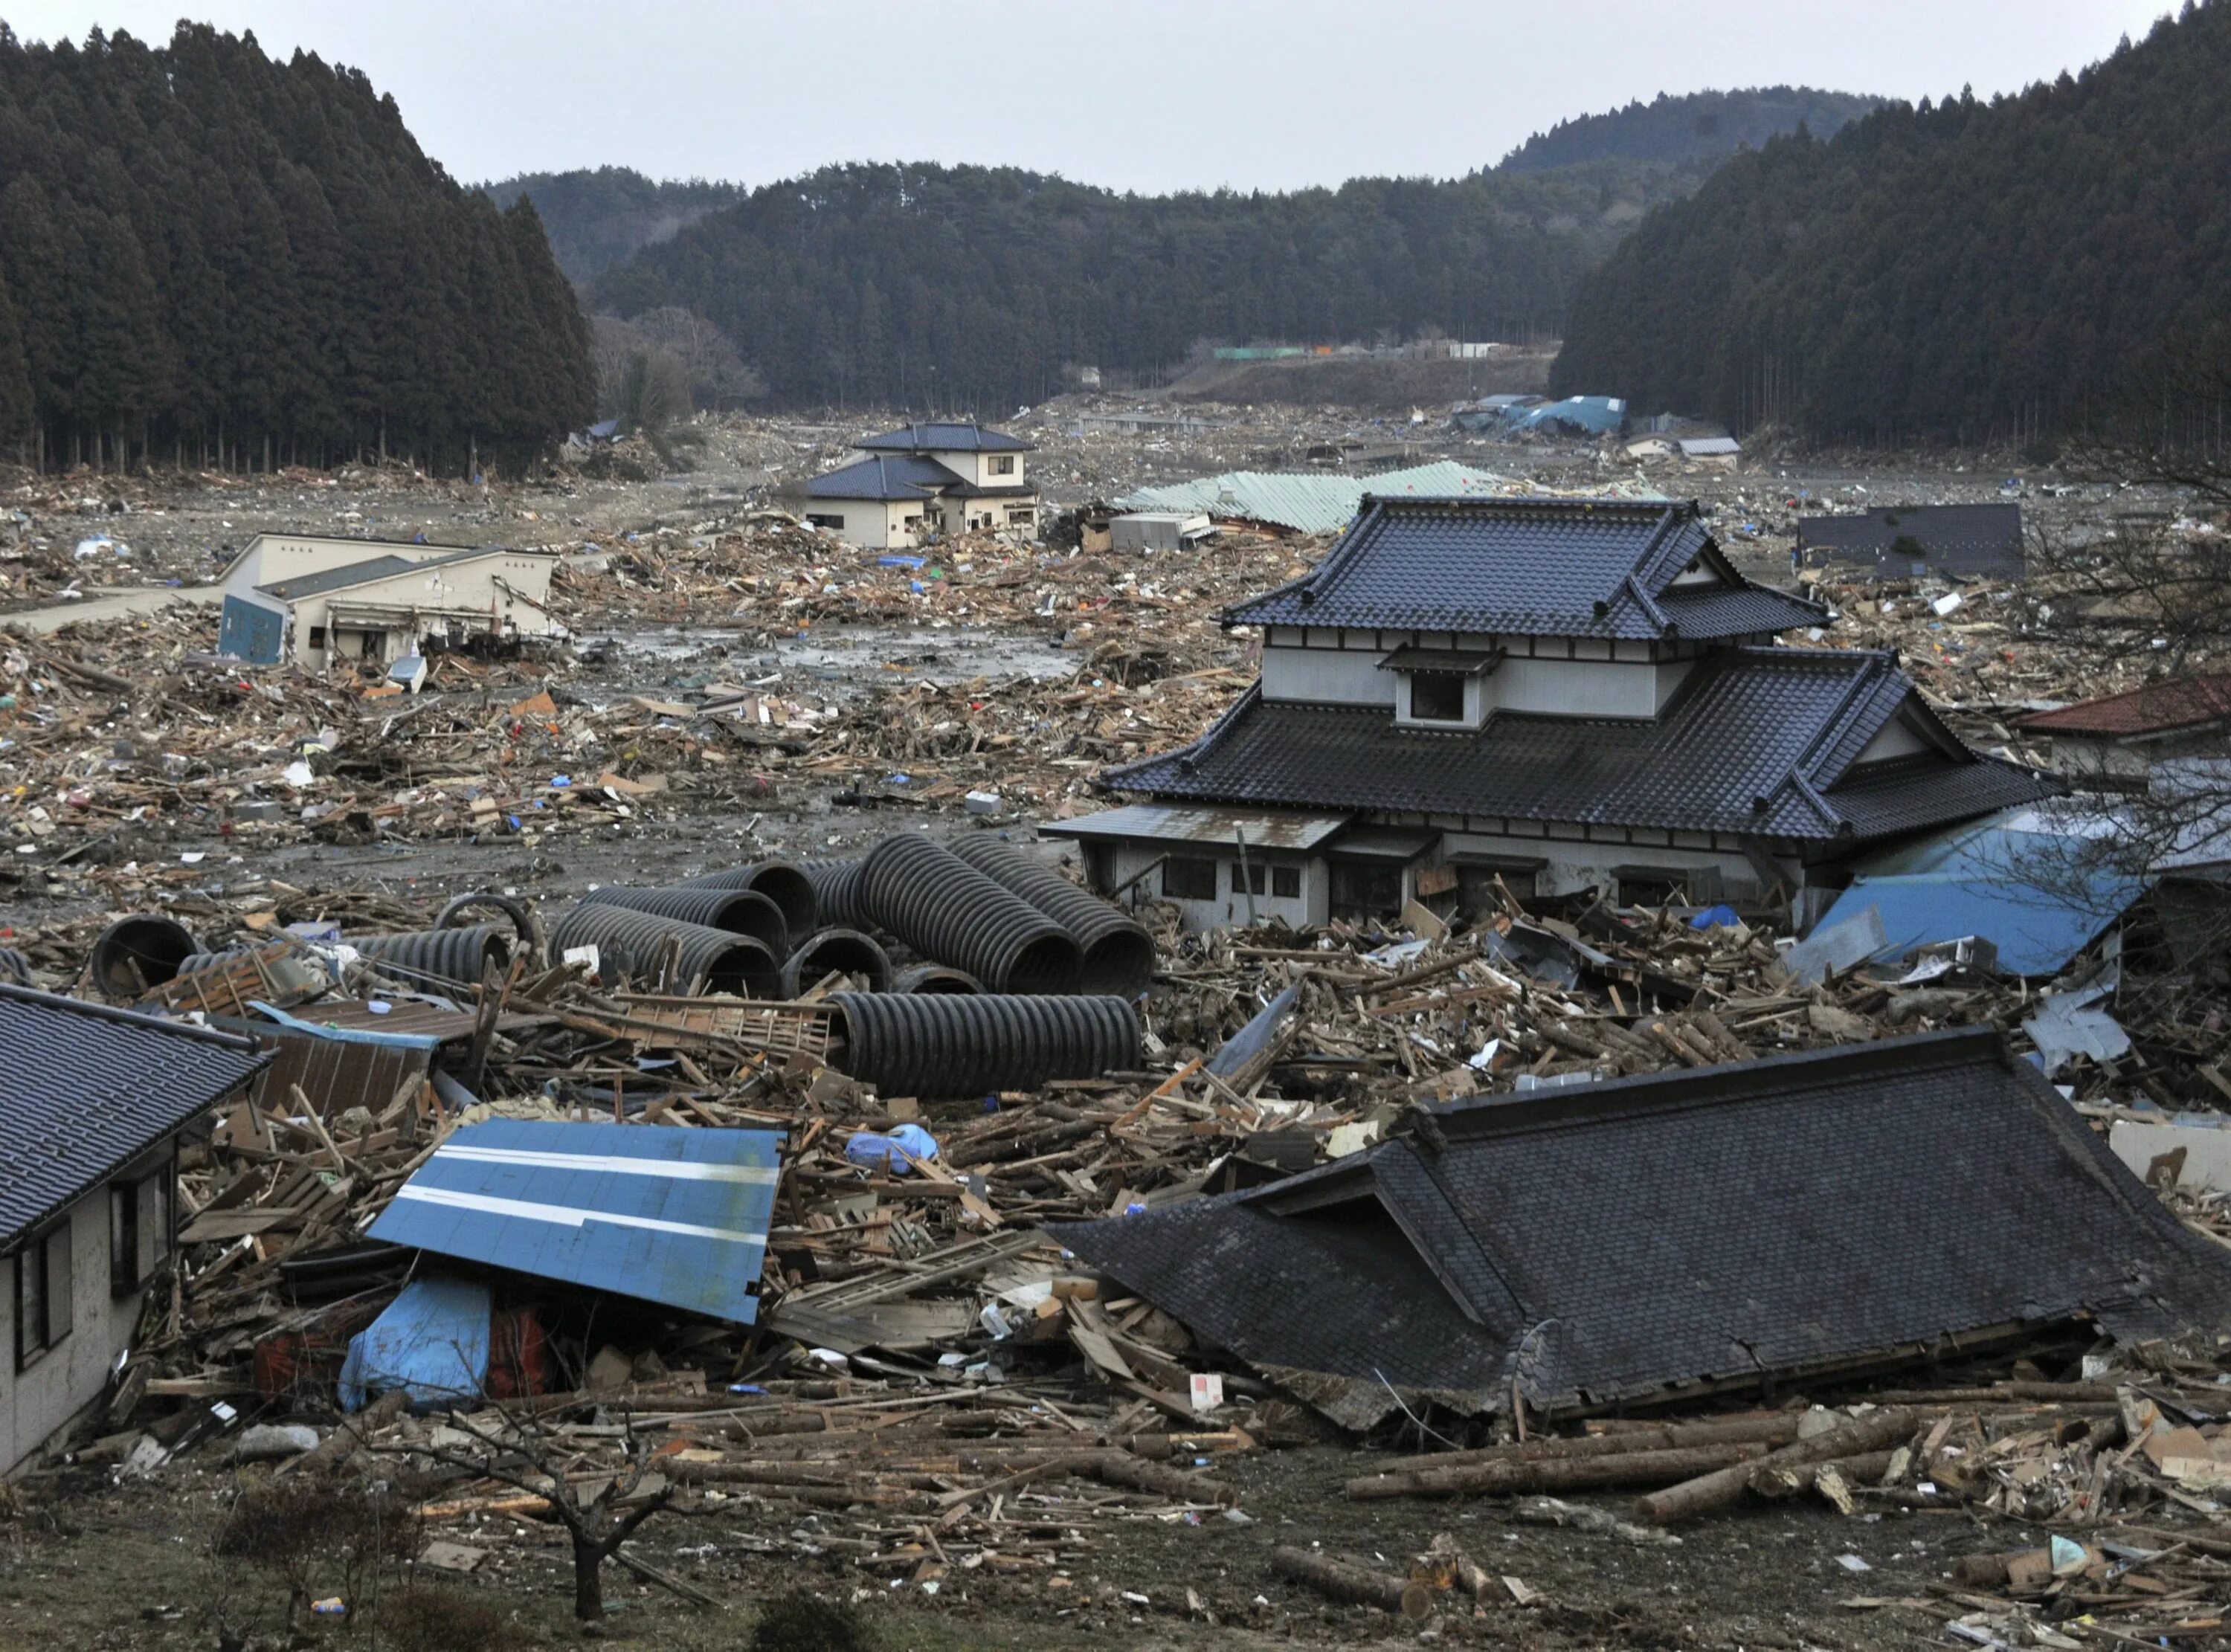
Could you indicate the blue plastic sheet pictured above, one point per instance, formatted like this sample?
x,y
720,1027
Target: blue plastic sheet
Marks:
x,y
432,1342
891,1150
1716,918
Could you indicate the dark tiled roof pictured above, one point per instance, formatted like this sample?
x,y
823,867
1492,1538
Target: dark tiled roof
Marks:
x,y
85,1090
1612,1241
1782,725
1983,540
902,478
363,573
1540,567
945,438
2157,708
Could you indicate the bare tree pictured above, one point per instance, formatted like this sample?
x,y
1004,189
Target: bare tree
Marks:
x,y
523,1453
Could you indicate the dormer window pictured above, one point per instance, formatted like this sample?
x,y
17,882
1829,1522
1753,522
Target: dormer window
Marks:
x,y
1437,696
1440,688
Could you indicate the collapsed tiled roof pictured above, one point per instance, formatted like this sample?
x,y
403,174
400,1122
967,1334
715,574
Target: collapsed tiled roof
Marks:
x,y
944,437
1540,567
2157,708
1757,740
85,1090
906,477
1980,540
1619,1241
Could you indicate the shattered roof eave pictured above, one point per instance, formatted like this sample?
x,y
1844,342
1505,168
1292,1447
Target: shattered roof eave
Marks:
x,y
1615,1243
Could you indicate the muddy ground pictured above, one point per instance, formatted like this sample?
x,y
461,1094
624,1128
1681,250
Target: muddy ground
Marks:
x,y
87,1563
94,1567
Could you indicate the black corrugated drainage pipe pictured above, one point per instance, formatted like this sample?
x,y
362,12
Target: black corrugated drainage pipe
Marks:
x,y
947,911
741,911
844,950
936,978
136,954
1119,954
636,945
785,885
438,957
835,891
934,1044
524,923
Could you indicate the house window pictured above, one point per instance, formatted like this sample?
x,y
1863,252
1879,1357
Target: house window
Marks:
x,y
1021,515
1652,886
1187,879
1286,882
1003,464
1437,696
42,1293
317,637
1363,890
1252,882
1476,887
139,1231
823,519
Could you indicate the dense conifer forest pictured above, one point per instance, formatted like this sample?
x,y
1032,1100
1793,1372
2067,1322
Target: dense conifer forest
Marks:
x,y
1698,127
1961,272
212,256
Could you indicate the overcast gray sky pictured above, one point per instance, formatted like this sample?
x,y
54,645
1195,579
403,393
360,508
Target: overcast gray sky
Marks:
x,y
1143,94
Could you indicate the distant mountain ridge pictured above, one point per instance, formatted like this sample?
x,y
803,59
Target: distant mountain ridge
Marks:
x,y
597,219
969,285
1966,272
1696,126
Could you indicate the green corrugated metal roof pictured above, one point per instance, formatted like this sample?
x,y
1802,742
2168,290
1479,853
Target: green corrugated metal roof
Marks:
x,y
1307,502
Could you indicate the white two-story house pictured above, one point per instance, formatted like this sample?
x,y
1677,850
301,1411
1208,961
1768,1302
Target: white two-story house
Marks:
x,y
923,480
1564,694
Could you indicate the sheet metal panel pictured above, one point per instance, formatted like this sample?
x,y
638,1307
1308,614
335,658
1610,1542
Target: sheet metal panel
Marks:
x,y
677,1216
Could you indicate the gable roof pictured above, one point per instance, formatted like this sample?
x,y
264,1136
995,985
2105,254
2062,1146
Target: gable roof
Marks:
x,y
85,1090
945,438
2157,708
1984,540
378,568
904,477
1626,1239
1599,568
1756,740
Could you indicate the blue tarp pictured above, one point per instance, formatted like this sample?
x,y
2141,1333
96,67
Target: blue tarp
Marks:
x,y
2041,883
678,1216
432,1341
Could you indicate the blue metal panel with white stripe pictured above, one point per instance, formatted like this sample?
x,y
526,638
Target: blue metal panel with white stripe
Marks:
x,y
672,1216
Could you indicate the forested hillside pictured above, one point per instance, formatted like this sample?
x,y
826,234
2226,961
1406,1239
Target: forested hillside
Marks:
x,y
205,254
594,220
1699,127
964,285
1967,272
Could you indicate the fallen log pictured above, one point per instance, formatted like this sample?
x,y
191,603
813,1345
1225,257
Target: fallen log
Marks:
x,y
1778,1429
1505,1478
1352,1584
1707,1492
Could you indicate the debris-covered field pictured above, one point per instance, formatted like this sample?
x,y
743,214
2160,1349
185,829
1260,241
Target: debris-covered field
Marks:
x,y
940,1418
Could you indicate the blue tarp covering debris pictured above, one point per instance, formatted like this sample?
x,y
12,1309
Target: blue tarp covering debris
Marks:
x,y
2042,882
678,1216
432,1341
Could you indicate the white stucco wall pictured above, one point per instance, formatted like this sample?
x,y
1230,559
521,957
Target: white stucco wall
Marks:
x,y
1327,676
67,1378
